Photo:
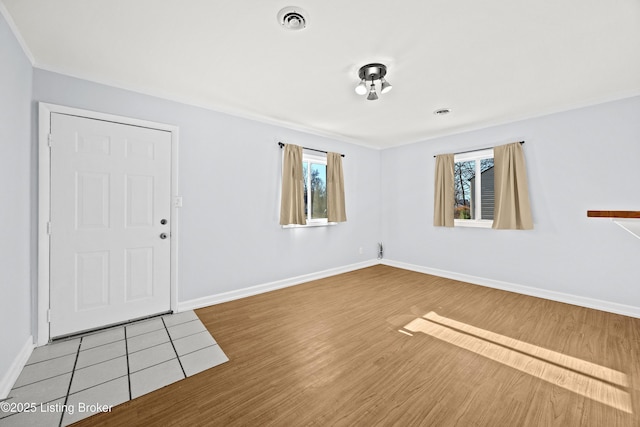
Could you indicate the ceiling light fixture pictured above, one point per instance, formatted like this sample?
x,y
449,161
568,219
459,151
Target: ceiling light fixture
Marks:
x,y
372,73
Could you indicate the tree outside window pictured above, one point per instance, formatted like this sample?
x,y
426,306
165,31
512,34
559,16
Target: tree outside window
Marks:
x,y
314,170
473,188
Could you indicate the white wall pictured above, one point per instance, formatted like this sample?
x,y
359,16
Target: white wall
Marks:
x,y
577,160
15,209
230,179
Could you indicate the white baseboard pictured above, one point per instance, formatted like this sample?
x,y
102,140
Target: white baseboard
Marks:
x,y
12,374
271,286
581,301
612,307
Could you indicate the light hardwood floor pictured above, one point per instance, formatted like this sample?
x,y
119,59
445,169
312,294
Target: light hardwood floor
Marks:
x,y
384,346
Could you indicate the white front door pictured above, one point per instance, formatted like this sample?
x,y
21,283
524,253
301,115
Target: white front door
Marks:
x,y
110,242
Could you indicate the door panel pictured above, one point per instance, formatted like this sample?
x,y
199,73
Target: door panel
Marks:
x,y
92,280
139,273
139,193
92,200
110,188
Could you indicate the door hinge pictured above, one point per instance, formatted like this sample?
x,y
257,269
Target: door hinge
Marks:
x,y
49,315
50,140
49,228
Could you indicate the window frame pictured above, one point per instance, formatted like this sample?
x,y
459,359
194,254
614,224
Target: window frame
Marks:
x,y
318,160
476,156
312,222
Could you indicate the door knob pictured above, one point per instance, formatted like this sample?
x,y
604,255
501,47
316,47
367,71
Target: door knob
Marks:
x,y
163,235
163,221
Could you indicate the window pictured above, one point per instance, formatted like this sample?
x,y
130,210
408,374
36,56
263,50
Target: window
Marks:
x,y
473,188
314,171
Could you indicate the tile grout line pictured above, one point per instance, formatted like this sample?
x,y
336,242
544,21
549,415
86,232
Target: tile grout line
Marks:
x,y
146,332
185,322
126,352
86,350
202,348
195,333
101,345
152,366
79,349
66,398
174,349
49,359
97,385
42,380
147,348
108,328
165,361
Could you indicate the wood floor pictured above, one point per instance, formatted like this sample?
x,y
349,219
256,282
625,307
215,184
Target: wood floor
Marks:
x,y
384,347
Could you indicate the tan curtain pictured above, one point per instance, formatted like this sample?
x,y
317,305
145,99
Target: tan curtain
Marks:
x,y
512,209
336,211
292,199
444,194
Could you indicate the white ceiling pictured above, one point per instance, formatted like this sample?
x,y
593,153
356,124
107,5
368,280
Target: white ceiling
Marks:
x,y
490,61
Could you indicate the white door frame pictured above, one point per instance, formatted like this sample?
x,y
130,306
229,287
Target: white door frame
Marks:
x,y
44,202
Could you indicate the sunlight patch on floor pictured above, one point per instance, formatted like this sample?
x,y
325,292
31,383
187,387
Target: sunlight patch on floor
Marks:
x,y
588,379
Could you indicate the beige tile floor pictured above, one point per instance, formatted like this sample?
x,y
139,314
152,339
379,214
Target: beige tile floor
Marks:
x,y
66,381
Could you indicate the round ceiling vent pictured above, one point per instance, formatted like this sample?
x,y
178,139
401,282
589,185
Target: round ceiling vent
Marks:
x,y
292,18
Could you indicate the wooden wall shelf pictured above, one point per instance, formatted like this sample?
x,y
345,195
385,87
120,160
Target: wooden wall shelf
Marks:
x,y
613,214
629,220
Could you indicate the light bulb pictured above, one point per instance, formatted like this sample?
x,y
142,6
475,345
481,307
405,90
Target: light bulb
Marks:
x,y
386,86
372,93
361,89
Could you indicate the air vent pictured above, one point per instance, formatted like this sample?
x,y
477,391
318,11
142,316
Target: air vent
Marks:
x,y
292,18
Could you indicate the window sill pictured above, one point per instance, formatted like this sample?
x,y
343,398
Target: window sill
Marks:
x,y
310,224
473,223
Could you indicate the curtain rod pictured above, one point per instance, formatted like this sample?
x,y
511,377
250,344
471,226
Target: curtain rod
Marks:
x,y
281,144
477,149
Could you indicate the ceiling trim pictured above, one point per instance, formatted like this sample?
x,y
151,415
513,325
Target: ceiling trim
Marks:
x,y
210,107
311,131
16,33
569,107
543,72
